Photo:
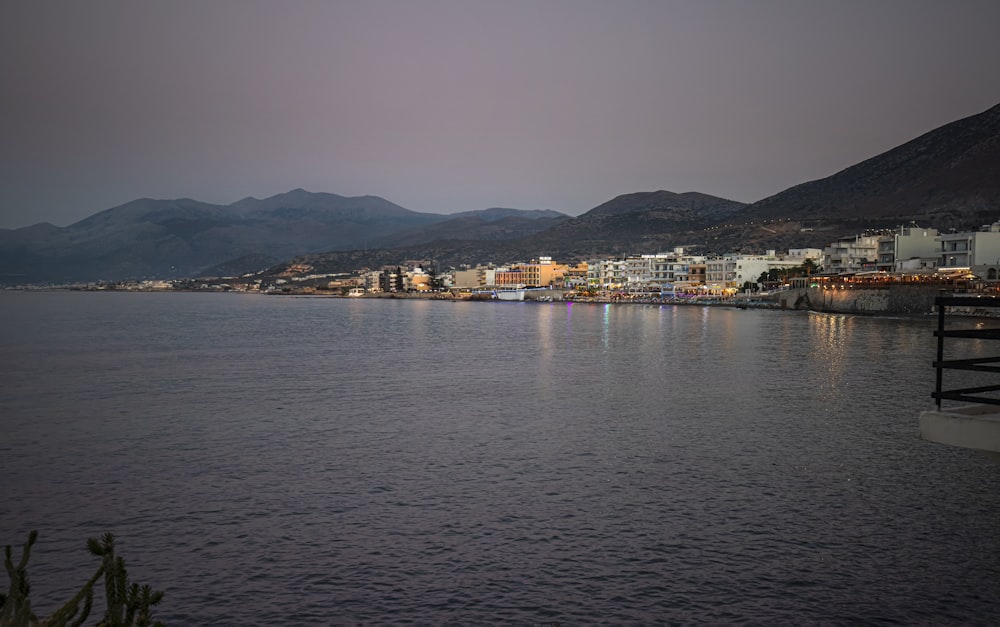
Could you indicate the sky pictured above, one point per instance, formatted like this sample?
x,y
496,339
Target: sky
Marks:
x,y
453,105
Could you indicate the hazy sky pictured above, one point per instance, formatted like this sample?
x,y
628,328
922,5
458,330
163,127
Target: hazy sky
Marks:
x,y
451,105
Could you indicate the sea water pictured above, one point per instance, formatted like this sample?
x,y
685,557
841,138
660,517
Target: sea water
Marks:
x,y
288,460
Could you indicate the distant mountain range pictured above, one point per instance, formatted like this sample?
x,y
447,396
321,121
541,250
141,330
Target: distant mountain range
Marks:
x,y
948,178
149,238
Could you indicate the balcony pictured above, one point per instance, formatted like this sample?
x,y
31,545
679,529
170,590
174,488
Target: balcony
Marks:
x,y
975,424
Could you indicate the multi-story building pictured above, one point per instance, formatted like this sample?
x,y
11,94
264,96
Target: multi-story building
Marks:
x,y
855,253
606,274
720,274
801,254
886,253
643,274
978,251
732,272
907,248
576,276
697,273
542,272
418,280
389,279
473,278
372,281
509,277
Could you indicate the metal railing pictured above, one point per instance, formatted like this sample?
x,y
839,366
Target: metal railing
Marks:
x,y
976,364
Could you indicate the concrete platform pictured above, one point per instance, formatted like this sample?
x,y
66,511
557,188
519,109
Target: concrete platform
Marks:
x,y
975,427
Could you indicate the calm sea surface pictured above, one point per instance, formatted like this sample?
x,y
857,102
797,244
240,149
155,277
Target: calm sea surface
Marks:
x,y
274,460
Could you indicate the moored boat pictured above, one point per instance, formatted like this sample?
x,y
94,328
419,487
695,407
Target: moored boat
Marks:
x,y
508,294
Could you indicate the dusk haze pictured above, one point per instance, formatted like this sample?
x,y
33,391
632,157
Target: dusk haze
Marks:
x,y
443,106
499,312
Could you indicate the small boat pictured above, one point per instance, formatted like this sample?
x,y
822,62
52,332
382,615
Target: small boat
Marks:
x,y
508,294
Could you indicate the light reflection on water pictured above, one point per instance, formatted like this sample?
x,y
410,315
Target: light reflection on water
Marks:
x,y
274,460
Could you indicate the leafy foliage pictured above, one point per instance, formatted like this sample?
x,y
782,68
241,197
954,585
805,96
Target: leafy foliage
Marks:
x,y
128,604
781,275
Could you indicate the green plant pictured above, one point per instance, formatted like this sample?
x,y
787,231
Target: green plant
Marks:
x,y
128,604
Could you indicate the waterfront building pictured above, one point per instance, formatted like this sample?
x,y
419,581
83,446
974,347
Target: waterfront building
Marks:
x,y
907,249
417,280
508,277
471,278
977,251
653,274
696,273
391,279
372,281
720,275
542,272
346,283
576,276
854,253
730,272
606,274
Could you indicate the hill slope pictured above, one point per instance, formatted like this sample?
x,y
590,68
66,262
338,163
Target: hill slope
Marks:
x,y
486,225
632,223
149,238
951,173
946,178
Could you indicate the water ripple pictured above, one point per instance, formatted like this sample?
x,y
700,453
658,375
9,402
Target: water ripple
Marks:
x,y
318,461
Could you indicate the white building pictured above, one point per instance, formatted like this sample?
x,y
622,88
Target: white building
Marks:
x,y
976,250
857,253
656,273
606,274
908,249
801,254
720,274
733,271
490,276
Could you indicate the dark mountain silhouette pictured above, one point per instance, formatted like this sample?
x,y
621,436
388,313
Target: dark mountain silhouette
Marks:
x,y
947,178
485,225
951,174
149,238
689,207
642,222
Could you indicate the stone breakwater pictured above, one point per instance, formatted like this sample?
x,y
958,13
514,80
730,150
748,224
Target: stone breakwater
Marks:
x,y
881,300
890,299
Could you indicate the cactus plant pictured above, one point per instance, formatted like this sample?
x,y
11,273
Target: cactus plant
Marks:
x,y
128,604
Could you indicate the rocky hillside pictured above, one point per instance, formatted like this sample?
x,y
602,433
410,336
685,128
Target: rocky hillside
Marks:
x,y
946,178
642,222
949,177
486,225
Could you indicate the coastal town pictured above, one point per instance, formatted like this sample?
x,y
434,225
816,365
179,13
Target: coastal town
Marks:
x,y
903,256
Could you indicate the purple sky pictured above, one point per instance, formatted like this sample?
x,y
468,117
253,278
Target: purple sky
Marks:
x,y
451,105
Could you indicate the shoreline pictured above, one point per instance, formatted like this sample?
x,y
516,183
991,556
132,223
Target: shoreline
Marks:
x,y
788,300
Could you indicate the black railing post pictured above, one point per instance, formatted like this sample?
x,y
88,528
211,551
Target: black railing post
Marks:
x,y
981,394
940,354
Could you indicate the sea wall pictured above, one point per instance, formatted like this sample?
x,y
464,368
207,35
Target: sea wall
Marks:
x,y
895,299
